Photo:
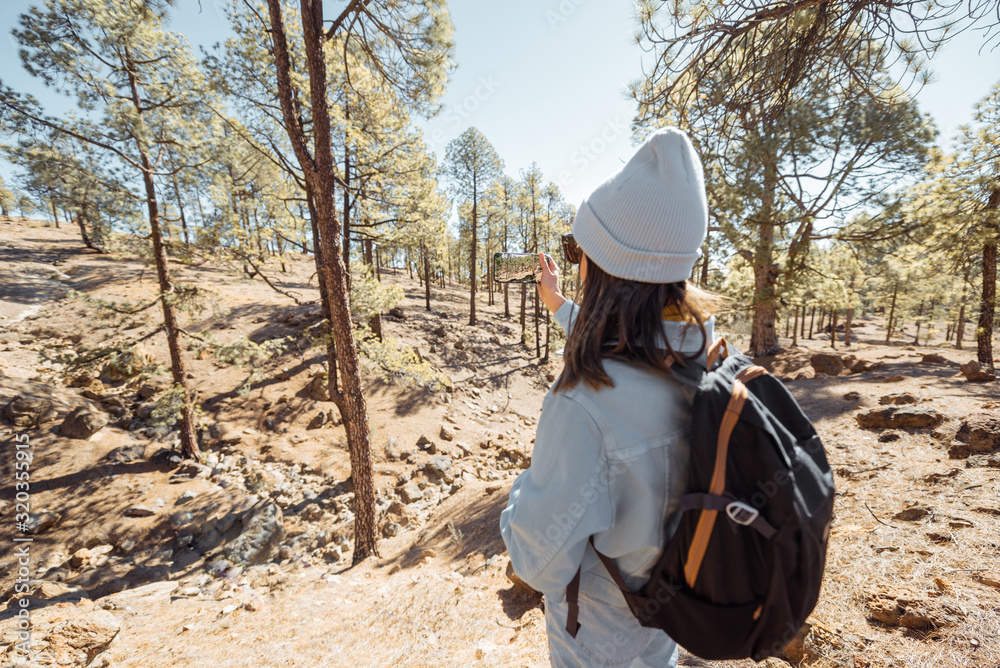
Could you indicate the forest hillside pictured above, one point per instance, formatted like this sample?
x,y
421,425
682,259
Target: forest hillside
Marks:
x,y
142,557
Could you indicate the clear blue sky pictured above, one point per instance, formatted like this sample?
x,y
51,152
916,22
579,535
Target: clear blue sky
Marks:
x,y
544,80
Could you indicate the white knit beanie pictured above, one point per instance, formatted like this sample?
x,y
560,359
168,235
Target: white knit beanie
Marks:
x,y
647,222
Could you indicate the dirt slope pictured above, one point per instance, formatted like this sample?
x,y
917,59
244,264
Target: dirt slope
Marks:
x,y
899,592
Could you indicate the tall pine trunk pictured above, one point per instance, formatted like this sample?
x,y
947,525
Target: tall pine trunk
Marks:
x,y
427,283
473,278
764,337
178,370
795,326
318,171
375,322
892,313
988,300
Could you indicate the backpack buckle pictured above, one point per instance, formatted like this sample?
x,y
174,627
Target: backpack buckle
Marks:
x,y
742,513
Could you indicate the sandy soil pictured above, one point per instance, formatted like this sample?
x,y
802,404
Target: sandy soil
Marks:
x,y
437,595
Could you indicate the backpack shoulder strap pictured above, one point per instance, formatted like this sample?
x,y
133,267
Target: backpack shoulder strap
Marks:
x,y
573,590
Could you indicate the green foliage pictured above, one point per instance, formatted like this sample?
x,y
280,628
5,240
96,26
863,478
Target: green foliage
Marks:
x,y
368,295
169,406
243,353
398,363
123,360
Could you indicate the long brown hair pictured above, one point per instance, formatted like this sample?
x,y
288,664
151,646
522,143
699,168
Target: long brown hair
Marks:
x,y
628,314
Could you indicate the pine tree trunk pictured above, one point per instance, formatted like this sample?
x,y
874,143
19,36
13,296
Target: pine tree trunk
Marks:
x,y
988,299
524,296
55,213
920,314
81,221
847,325
833,329
178,370
375,322
960,326
318,170
180,208
548,336
347,207
764,337
892,313
427,285
795,326
704,272
812,321
333,386
473,278
538,318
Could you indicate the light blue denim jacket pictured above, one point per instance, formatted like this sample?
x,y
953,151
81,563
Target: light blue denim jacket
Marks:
x,y
609,463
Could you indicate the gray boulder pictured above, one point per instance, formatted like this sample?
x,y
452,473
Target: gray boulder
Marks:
x,y
978,435
898,399
82,423
973,371
263,530
23,411
908,417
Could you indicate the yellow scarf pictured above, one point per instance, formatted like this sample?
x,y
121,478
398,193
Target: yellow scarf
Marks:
x,y
672,312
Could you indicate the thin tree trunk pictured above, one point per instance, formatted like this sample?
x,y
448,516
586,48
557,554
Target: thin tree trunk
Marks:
x,y
538,318
189,443
180,209
960,325
920,314
375,322
318,170
427,283
524,296
833,329
81,221
802,323
472,261
892,313
847,325
548,337
55,213
795,326
347,208
988,300
812,321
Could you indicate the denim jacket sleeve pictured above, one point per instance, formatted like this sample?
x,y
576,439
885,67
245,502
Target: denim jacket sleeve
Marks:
x,y
560,501
566,315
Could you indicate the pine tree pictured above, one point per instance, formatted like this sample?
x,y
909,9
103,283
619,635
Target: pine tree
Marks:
x,y
473,165
781,176
148,93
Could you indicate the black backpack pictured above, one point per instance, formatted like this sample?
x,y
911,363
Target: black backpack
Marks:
x,y
743,570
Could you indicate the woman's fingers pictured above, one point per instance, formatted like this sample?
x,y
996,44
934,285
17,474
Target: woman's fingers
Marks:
x,y
548,264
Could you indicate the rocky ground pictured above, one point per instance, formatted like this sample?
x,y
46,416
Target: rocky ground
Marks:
x,y
139,558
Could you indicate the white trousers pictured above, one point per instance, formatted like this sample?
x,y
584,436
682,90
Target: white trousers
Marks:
x,y
609,637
